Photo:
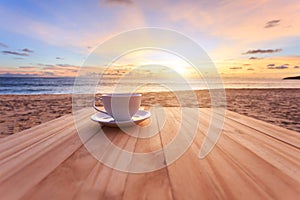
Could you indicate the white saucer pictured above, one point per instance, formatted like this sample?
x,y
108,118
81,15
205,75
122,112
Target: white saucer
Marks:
x,y
107,120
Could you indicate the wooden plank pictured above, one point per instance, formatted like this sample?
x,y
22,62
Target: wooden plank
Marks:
x,y
229,180
34,136
105,173
224,185
279,155
248,162
101,182
188,180
20,158
36,163
275,152
25,134
276,132
96,176
268,177
64,181
115,189
67,179
150,185
238,127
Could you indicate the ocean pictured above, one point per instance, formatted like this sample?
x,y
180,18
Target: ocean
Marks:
x,y
36,85
41,85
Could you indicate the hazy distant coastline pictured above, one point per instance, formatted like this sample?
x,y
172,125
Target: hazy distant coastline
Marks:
x,y
292,78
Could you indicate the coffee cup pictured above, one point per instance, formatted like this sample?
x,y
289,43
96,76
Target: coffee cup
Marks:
x,y
120,106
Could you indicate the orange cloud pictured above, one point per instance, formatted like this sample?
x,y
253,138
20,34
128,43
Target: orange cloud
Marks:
x,y
272,23
274,67
256,51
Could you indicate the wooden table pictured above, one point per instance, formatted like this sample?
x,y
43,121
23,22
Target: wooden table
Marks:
x,y
252,160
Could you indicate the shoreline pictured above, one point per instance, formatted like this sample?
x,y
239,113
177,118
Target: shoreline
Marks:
x,y
275,106
262,88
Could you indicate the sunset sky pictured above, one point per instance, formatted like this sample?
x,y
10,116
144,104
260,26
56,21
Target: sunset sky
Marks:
x,y
244,38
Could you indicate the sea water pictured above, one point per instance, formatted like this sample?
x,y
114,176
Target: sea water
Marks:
x,y
65,85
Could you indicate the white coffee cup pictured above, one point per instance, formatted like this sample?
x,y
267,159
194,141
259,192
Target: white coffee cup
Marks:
x,y
120,106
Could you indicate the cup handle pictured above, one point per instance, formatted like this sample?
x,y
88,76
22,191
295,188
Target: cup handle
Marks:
x,y
95,107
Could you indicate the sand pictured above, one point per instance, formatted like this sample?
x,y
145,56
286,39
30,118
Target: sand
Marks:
x,y
276,106
20,112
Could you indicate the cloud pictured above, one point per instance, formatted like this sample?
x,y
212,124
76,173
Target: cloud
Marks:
x,y
47,69
66,65
49,73
254,58
29,67
246,64
262,51
278,67
282,67
44,65
61,67
59,58
16,74
15,53
61,70
26,67
47,65
3,45
272,23
296,67
235,68
250,69
118,2
27,50
58,66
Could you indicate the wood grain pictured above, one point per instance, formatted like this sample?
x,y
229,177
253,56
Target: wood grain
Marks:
x,y
251,160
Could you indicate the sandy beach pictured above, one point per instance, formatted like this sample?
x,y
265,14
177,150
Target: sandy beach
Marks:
x,y
276,106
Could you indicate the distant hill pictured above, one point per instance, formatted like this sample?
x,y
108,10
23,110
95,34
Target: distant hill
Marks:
x,y
292,77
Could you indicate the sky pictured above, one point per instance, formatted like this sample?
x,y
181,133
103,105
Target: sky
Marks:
x,y
243,38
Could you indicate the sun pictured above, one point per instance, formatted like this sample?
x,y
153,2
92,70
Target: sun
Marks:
x,y
180,69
